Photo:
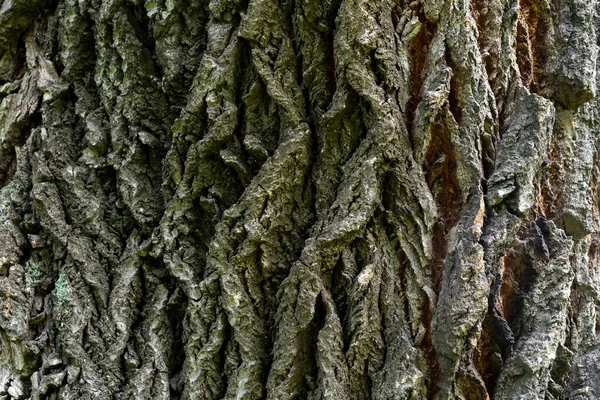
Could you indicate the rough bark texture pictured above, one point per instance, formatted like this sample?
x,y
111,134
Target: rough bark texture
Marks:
x,y
320,199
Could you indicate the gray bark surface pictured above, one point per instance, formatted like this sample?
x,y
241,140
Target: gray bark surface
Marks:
x,y
320,199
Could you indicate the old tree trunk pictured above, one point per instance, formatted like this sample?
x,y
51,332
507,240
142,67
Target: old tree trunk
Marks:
x,y
319,199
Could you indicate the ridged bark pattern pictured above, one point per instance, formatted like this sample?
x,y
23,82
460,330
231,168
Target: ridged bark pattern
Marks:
x,y
320,199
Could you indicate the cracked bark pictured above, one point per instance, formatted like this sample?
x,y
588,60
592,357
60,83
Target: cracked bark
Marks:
x,y
349,199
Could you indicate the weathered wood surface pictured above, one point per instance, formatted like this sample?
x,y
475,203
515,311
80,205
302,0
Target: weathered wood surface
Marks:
x,y
320,199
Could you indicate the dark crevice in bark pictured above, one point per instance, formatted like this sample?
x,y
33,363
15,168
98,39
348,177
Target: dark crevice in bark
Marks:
x,y
495,342
120,215
440,172
176,312
419,51
532,40
440,247
142,26
20,61
559,372
480,12
512,284
8,166
554,190
316,129
331,59
309,348
339,289
454,102
518,279
430,354
8,155
440,166
404,265
524,52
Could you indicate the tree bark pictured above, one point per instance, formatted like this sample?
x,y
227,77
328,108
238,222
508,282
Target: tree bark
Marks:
x,y
320,199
